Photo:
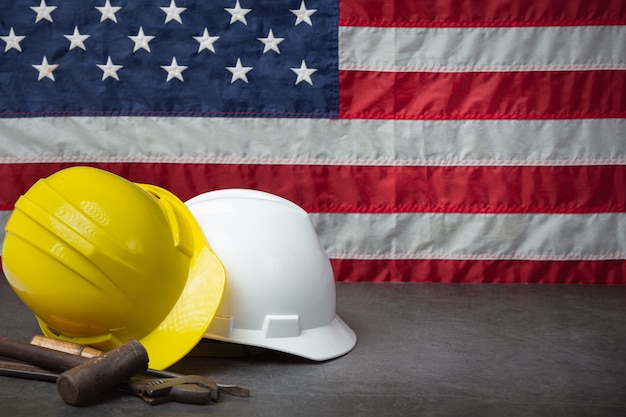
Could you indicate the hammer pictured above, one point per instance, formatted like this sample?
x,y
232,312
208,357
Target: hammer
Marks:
x,y
81,379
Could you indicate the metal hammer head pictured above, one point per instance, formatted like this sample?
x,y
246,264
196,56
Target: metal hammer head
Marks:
x,y
84,382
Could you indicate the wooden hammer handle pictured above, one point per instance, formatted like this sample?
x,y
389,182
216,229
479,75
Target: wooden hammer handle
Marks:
x,y
64,346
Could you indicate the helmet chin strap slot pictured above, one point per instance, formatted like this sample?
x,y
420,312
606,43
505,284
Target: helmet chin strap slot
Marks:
x,y
274,326
281,326
223,325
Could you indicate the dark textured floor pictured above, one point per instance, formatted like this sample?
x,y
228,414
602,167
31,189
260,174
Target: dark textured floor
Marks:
x,y
423,350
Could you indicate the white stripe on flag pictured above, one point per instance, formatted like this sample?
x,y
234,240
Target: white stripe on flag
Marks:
x,y
597,236
313,141
482,49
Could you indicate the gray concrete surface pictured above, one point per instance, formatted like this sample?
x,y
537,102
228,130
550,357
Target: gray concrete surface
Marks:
x,y
423,350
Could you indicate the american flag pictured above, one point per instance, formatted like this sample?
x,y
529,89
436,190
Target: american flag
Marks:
x,y
443,141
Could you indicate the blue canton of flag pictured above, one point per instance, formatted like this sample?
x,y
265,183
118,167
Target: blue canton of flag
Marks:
x,y
265,58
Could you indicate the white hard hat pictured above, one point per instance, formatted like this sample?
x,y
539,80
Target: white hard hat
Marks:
x,y
280,289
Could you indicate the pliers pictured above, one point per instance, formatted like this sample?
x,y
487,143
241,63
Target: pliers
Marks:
x,y
190,389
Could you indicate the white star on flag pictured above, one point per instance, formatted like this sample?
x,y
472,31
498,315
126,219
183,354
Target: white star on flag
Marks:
x,y
110,70
239,72
77,40
173,13
174,70
238,14
304,73
206,41
43,11
45,69
141,40
108,11
12,41
271,43
303,14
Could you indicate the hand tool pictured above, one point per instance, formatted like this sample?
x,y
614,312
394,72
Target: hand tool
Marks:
x,y
152,390
82,379
154,387
180,391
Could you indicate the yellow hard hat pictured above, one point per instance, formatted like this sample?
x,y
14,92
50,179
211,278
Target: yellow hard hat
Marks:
x,y
100,260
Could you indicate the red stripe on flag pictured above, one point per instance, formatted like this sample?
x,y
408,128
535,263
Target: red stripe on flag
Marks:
x,y
377,189
482,95
455,13
605,272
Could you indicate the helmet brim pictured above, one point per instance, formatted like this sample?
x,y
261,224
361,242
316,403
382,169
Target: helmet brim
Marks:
x,y
318,344
198,303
